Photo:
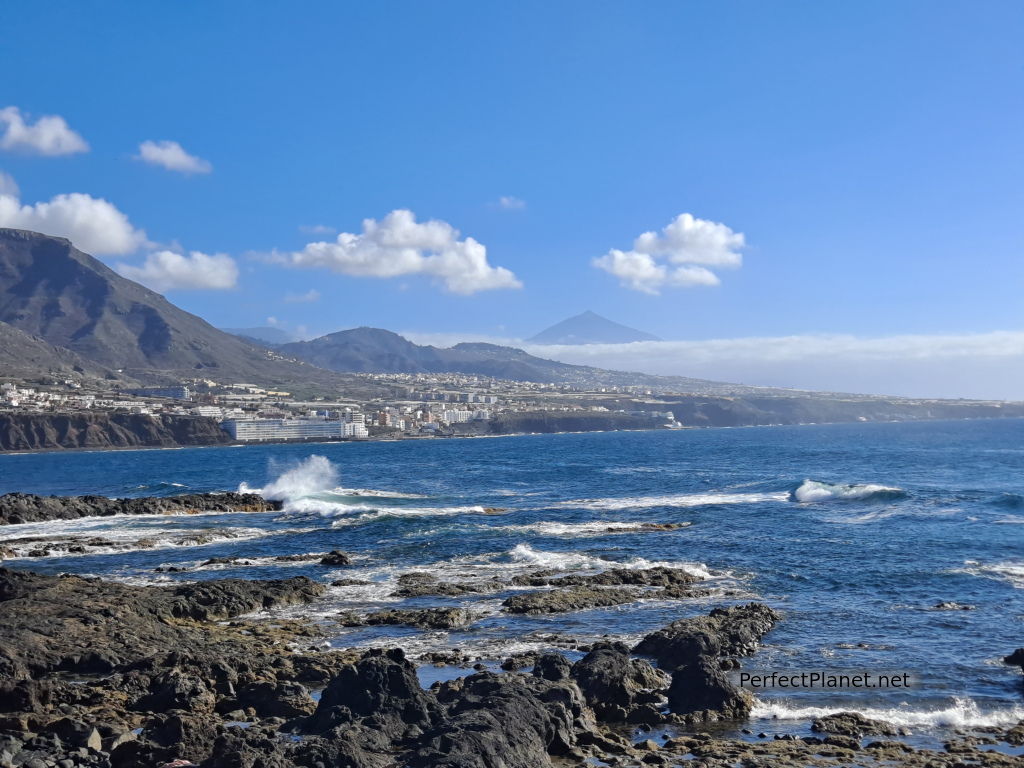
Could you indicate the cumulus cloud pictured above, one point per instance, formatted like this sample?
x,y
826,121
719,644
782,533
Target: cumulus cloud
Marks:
x,y
50,135
8,186
302,298
170,155
92,224
680,256
169,271
511,203
398,245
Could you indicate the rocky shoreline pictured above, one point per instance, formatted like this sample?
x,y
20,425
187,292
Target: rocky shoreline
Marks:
x,y
106,674
18,508
99,673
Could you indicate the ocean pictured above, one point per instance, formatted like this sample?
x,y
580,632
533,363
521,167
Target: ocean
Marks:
x,y
854,532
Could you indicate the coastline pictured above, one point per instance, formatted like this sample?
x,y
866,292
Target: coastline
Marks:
x,y
419,438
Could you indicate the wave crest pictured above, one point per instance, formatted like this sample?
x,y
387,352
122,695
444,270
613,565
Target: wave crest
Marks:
x,y
961,713
815,491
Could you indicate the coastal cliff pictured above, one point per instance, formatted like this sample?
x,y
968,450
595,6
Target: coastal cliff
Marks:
x,y
62,431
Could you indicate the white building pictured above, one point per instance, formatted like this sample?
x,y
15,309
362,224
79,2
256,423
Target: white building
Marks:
x,y
457,417
255,430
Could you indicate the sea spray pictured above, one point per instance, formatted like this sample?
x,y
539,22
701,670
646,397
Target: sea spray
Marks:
x,y
314,475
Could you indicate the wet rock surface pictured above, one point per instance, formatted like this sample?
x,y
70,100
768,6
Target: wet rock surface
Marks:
x,y
852,724
177,673
426,618
16,508
733,631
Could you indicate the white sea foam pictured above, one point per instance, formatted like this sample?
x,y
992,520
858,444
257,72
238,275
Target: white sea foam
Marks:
x,y
1010,570
579,529
523,553
115,541
526,555
677,500
371,514
961,713
812,490
375,493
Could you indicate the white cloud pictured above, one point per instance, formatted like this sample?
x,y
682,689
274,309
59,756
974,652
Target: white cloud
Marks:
x,y
678,257
303,298
49,135
399,245
91,224
169,271
318,229
512,203
170,155
8,186
984,365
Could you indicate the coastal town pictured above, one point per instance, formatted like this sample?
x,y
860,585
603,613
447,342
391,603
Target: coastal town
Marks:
x,y
421,405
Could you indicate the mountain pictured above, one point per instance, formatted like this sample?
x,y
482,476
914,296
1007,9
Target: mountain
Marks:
x,y
265,335
25,356
51,290
374,350
590,328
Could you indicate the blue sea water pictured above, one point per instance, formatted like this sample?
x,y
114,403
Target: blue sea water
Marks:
x,y
854,532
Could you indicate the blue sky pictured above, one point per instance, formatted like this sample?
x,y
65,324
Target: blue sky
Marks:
x,y
869,153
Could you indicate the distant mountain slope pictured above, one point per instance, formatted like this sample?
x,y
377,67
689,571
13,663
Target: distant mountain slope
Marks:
x,y
28,357
590,328
50,289
374,350
268,334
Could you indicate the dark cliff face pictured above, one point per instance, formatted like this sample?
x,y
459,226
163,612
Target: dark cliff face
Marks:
x,y
30,432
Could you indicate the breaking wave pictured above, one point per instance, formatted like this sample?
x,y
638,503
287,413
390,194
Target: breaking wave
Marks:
x,y
962,713
565,561
812,491
315,481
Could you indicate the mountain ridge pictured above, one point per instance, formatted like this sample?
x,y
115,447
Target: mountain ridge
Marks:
x,y
52,291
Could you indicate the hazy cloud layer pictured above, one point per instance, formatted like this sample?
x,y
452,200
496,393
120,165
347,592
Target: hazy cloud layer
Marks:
x,y
986,365
165,271
170,155
92,224
680,256
398,245
983,366
50,135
